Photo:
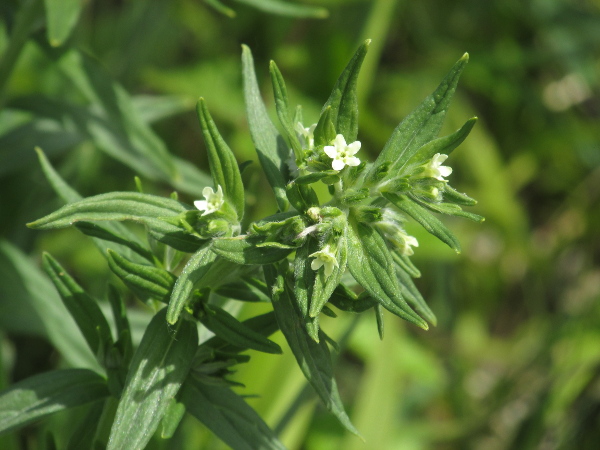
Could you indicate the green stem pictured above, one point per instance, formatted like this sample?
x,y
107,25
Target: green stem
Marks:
x,y
25,19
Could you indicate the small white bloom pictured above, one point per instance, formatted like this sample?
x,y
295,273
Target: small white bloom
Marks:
x,y
435,168
214,200
342,153
307,133
324,258
407,244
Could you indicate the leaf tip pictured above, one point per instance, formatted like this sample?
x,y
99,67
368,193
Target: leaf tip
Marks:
x,y
465,57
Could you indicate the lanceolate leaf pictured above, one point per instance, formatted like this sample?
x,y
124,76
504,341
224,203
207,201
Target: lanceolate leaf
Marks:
x,y
61,17
223,166
313,358
426,219
246,250
449,208
281,103
270,146
371,265
343,99
158,368
194,270
84,310
422,125
113,232
286,8
413,296
227,415
444,145
144,280
159,214
47,393
231,330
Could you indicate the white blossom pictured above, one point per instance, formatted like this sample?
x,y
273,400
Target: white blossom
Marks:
x,y
435,169
342,153
214,200
308,134
324,258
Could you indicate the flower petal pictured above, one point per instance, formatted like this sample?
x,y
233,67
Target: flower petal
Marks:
x,y
337,164
207,191
353,148
352,161
200,204
330,151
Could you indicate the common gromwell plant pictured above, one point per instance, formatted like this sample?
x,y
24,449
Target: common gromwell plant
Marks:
x,y
349,251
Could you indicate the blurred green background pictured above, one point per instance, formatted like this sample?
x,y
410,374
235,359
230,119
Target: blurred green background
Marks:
x,y
515,359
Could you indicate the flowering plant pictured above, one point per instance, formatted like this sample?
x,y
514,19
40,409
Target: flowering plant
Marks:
x,y
349,251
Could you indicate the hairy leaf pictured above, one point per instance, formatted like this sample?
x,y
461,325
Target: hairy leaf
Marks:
x,y
158,368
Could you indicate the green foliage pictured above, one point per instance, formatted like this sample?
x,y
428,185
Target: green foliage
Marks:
x,y
512,362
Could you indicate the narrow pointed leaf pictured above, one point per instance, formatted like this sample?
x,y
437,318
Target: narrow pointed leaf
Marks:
x,y
288,9
228,416
420,126
223,166
143,280
245,250
281,103
450,209
194,270
371,265
343,99
48,393
231,330
84,310
270,146
61,17
158,369
112,232
313,358
444,145
158,214
265,325
246,289
431,223
454,196
414,298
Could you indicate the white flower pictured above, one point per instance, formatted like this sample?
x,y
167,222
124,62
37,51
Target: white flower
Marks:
x,y
407,243
435,169
324,258
342,153
307,133
214,200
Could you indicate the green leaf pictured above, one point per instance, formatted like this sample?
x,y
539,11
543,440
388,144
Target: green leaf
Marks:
x,y
454,196
158,368
420,126
370,263
31,305
314,177
112,232
85,432
325,131
343,99
281,103
313,358
143,280
301,196
270,146
432,224
304,282
264,324
223,166
324,286
82,307
413,296
285,8
61,18
157,213
231,330
450,209
197,266
228,416
124,342
172,419
246,289
48,393
444,145
246,250
220,7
